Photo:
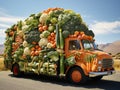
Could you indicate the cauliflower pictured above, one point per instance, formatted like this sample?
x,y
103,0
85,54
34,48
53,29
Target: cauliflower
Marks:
x,y
43,42
27,51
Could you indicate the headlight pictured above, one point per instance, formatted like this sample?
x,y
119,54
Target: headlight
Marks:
x,y
99,68
100,62
99,65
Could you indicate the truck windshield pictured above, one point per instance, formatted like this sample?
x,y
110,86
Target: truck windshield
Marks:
x,y
74,45
88,45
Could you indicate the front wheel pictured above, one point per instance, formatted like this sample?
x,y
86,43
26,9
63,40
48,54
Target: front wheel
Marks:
x,y
16,70
76,76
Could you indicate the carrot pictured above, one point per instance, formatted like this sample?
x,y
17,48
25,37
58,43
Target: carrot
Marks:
x,y
32,53
94,65
88,66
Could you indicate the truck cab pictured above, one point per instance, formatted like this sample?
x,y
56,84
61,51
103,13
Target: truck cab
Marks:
x,y
90,61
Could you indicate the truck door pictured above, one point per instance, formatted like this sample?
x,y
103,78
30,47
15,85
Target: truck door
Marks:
x,y
71,46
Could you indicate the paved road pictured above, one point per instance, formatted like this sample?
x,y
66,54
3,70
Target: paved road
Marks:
x,y
35,82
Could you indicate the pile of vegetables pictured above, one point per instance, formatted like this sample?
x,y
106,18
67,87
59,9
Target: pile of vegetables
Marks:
x,y
38,41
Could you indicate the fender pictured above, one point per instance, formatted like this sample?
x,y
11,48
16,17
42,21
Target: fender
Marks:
x,y
81,65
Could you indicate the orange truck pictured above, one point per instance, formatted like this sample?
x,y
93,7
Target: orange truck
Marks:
x,y
52,43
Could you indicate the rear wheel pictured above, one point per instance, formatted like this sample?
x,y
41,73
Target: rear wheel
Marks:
x,y
76,76
16,70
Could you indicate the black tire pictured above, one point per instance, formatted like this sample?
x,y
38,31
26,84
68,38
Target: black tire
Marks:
x,y
16,70
80,76
97,78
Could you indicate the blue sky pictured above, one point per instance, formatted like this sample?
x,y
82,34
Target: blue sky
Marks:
x,y
101,16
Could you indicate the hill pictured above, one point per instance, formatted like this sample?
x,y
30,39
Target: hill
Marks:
x,y
112,48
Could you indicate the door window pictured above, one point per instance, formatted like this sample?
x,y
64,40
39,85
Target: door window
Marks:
x,y
74,45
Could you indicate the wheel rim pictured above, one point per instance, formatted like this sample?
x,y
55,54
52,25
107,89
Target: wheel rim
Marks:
x,y
76,76
15,70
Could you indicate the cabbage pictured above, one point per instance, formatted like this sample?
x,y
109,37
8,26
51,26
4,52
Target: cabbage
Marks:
x,y
54,55
70,61
43,18
45,34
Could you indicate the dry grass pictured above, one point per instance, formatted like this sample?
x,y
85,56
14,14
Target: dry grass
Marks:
x,y
2,63
117,64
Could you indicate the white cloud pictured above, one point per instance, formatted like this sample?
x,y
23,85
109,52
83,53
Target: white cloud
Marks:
x,y
2,32
6,18
105,27
2,36
10,19
4,25
6,21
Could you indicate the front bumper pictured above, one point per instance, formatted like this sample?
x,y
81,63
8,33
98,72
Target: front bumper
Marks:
x,y
94,74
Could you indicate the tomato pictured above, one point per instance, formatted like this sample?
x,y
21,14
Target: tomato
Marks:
x,y
45,27
37,53
40,29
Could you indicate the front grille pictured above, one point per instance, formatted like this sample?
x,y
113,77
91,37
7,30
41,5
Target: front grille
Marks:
x,y
107,63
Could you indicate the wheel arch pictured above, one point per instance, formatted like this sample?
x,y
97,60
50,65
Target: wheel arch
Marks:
x,y
13,65
81,66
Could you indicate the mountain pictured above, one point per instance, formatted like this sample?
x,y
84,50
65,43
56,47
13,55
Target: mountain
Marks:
x,y
1,49
112,48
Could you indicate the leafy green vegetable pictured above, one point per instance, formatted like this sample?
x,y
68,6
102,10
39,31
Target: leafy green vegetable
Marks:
x,y
19,24
45,34
32,21
54,55
18,54
70,61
